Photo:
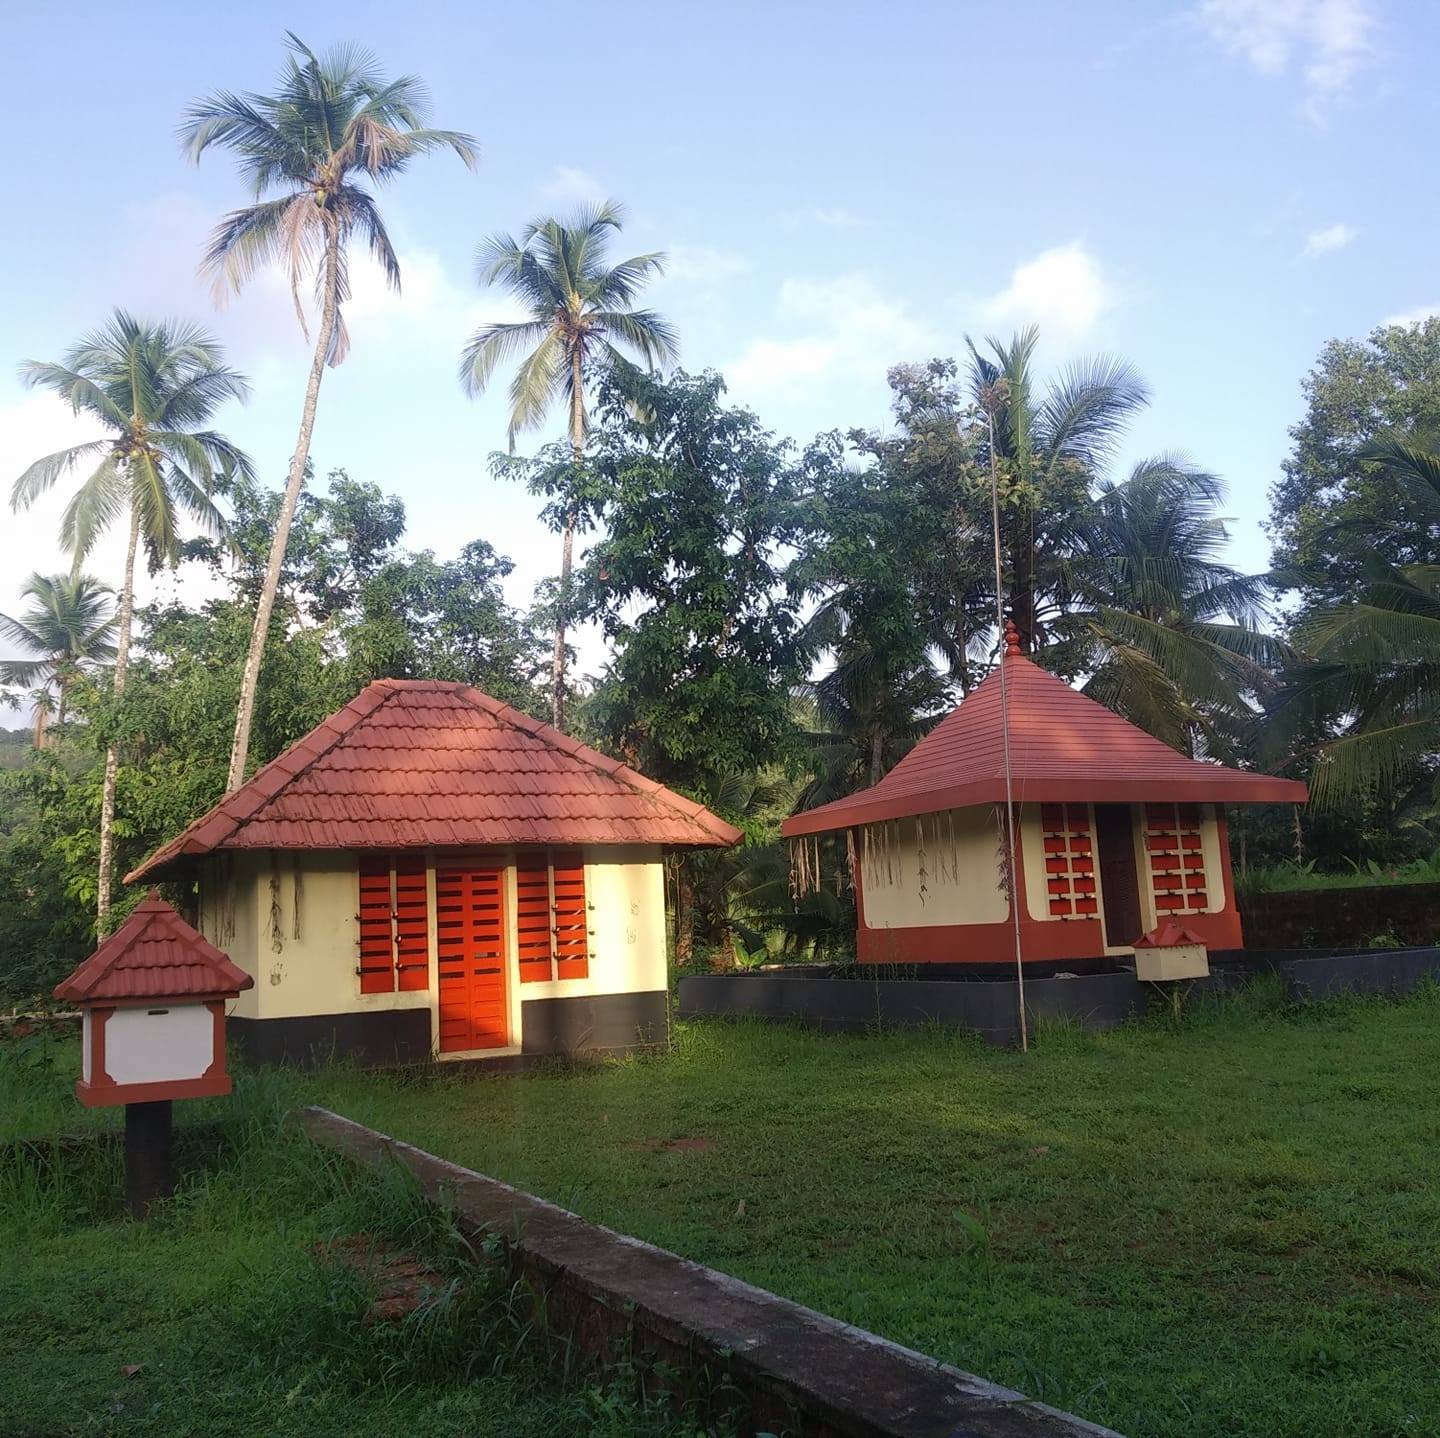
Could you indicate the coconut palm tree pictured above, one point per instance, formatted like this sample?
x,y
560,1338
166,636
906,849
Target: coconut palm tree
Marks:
x,y
151,387
1048,450
1169,634
70,626
582,316
333,121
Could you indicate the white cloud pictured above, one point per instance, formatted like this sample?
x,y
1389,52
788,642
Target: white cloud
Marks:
x,y
569,182
1327,41
1062,290
704,266
1417,316
834,217
1332,237
847,327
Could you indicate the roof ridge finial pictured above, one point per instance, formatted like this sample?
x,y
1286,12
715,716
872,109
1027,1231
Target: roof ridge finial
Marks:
x,y
1012,638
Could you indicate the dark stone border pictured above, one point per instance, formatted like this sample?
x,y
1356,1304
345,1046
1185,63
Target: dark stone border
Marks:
x,y
988,1006
794,1369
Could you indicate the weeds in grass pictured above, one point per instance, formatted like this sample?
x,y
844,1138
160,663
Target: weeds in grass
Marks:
x,y
1289,875
238,1302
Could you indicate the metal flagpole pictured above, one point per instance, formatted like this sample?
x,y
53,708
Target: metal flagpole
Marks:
x,y
1009,643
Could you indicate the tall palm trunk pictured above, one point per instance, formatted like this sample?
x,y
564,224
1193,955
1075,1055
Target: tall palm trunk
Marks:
x,y
567,542
112,754
41,725
250,678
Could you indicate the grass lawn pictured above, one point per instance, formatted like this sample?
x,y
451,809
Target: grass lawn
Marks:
x,y
230,1321
1232,1227
1227,1227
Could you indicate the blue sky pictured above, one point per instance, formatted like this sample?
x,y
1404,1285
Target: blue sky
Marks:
x,y
1212,189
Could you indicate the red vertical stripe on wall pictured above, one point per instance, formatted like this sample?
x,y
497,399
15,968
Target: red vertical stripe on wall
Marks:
x,y
377,948
412,924
532,920
572,917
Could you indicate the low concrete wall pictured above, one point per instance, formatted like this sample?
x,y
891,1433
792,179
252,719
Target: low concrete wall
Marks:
x,y
989,1007
1303,918
793,1370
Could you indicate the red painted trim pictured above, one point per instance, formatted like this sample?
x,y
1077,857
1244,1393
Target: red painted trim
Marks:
x,y
102,1091
109,1095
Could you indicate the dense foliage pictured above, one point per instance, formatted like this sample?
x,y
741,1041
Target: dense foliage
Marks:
x,y
782,623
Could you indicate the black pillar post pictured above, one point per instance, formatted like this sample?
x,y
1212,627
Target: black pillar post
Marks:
x,y
147,1155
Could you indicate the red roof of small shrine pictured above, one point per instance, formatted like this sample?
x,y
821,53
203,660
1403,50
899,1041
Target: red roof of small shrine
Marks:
x,y
1063,746
412,763
1168,935
154,954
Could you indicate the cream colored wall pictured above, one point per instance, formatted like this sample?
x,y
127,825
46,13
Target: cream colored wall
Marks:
x,y
962,881
1032,851
239,937
314,972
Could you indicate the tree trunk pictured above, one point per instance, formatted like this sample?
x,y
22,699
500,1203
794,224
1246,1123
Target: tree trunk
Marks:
x,y
567,544
684,913
124,620
877,756
1022,592
37,737
250,677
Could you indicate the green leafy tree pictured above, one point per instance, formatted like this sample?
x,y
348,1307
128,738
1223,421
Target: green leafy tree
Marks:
x,y
153,388
69,625
698,504
1333,513
1369,692
1169,634
581,317
333,123
866,560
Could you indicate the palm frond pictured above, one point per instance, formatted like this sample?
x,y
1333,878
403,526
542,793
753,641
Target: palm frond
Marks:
x,y
94,507
44,473
490,345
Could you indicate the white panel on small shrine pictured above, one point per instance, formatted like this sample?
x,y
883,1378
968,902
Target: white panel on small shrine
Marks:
x,y
159,1045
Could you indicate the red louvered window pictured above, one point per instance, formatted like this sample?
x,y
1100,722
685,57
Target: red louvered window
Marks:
x,y
532,920
394,923
1176,855
552,918
1069,861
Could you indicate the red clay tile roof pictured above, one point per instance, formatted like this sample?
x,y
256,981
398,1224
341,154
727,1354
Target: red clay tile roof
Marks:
x,y
154,954
1063,746
414,763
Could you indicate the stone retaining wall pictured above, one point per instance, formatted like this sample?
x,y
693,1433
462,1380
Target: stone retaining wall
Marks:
x,y
791,1369
1302,918
989,1007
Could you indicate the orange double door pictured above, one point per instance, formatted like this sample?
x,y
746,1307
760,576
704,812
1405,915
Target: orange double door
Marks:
x,y
470,958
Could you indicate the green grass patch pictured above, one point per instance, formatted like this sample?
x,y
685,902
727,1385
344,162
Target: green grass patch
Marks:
x,y
1223,1225
223,1314
1289,876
